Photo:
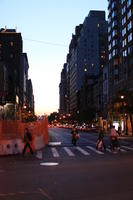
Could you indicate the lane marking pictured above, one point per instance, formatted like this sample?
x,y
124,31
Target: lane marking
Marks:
x,y
45,193
49,164
54,143
123,150
96,151
68,151
83,151
39,154
55,152
129,148
109,150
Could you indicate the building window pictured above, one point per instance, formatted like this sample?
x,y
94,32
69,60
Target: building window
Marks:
x,y
109,19
11,43
109,29
123,10
116,72
109,37
124,43
114,43
130,37
115,52
109,47
124,53
122,1
129,14
129,25
114,14
110,56
124,31
113,4
129,50
114,33
123,21
128,3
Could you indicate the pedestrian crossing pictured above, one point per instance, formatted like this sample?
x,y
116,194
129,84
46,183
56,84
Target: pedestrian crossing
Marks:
x,y
88,150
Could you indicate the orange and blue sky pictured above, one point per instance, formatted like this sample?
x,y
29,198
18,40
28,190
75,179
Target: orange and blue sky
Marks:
x,y
46,27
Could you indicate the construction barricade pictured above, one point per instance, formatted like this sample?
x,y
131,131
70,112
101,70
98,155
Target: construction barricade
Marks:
x,y
12,135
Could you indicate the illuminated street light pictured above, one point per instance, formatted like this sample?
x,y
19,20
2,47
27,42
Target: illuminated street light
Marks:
x,y
122,96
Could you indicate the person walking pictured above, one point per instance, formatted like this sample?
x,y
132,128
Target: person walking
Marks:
x,y
114,138
75,135
100,142
27,140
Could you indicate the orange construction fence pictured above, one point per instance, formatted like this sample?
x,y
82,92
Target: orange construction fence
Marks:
x,y
12,130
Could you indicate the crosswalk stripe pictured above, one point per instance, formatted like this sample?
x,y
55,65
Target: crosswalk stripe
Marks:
x,y
39,154
69,152
129,148
96,151
123,150
107,149
82,151
55,152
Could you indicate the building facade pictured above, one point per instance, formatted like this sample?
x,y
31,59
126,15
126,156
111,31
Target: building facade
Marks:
x,y
120,45
14,74
85,63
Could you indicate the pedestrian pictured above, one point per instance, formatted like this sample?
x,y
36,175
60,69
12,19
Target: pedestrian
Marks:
x,y
100,142
75,135
114,138
27,140
119,130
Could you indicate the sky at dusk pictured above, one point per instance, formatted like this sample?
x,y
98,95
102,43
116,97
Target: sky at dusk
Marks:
x,y
46,27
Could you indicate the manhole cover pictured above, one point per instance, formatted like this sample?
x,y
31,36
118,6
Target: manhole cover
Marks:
x,y
54,143
49,164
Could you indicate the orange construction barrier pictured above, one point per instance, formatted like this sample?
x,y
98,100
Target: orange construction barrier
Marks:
x,y
12,134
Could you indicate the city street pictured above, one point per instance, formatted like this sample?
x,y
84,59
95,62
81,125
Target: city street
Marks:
x,y
80,173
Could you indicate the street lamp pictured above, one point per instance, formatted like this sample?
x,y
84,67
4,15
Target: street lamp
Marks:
x,y
122,97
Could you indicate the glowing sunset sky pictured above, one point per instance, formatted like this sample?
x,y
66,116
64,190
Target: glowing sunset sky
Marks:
x,y
46,27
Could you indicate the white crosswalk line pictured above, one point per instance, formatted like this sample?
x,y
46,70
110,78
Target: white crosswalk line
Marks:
x,y
68,151
39,154
107,149
83,151
96,151
55,152
129,148
123,150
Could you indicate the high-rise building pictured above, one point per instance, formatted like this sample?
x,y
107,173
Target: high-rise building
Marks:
x,y
120,45
85,62
16,89
63,92
11,57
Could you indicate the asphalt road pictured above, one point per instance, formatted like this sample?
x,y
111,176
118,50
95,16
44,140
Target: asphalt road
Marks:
x,y
91,176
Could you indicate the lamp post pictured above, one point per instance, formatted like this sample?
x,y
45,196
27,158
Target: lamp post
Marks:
x,y
126,116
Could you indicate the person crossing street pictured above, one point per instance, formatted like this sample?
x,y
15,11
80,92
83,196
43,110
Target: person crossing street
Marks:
x,y
27,140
